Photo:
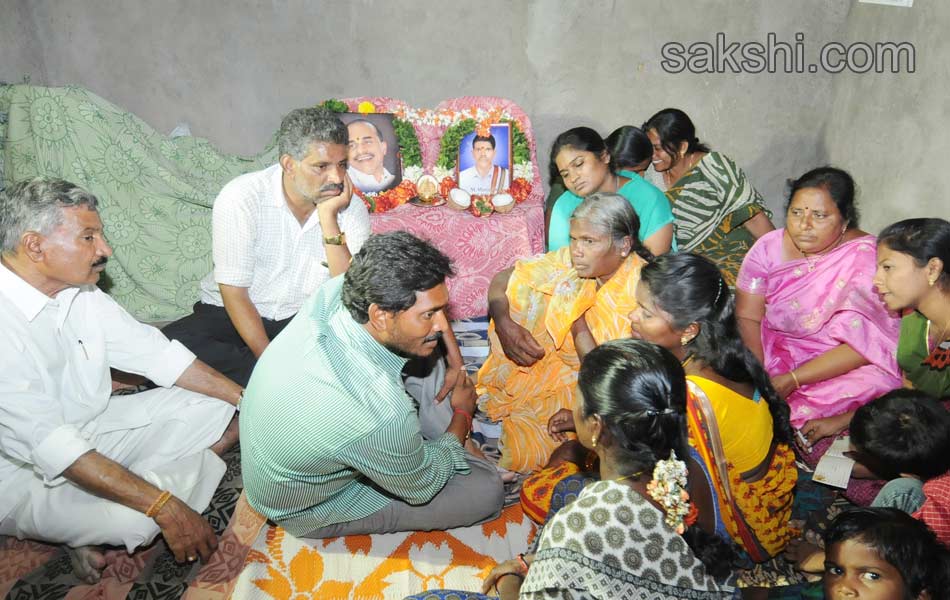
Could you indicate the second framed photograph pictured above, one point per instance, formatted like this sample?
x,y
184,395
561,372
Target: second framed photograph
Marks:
x,y
484,160
374,164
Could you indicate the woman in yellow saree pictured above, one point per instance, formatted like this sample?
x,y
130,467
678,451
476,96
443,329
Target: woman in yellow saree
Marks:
x,y
737,422
547,313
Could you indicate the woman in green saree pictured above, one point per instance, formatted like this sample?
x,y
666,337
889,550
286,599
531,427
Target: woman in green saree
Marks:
x,y
716,211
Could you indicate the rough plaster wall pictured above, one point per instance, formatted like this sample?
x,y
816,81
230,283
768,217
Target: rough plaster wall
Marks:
x,y
891,130
231,69
21,53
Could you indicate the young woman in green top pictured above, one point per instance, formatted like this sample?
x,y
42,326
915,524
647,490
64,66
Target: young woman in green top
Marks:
x,y
581,159
913,275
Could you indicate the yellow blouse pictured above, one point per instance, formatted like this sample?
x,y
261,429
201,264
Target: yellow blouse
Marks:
x,y
745,424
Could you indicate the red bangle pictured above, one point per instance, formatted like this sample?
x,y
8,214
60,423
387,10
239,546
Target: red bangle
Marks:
x,y
524,564
468,417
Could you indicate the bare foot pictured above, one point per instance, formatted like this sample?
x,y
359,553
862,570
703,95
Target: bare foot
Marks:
x,y
88,563
474,450
228,438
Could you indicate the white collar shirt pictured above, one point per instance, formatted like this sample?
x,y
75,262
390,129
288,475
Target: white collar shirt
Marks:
x,y
55,385
258,243
367,183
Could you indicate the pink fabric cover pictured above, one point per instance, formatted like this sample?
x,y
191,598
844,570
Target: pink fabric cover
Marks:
x,y
479,247
813,305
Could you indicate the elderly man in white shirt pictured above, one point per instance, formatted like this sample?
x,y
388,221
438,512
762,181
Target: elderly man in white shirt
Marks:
x,y
277,235
77,465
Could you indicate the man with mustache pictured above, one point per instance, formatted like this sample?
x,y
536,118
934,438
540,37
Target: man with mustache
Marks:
x,y
367,151
78,466
278,235
332,442
484,177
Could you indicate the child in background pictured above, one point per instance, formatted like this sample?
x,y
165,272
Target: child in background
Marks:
x,y
883,553
905,436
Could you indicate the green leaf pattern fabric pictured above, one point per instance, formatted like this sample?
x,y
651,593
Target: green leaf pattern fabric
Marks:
x,y
155,192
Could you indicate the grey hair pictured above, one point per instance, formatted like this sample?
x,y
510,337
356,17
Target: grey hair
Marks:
x,y
379,133
613,215
305,126
37,205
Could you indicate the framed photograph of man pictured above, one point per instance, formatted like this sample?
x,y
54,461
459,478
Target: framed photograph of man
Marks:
x,y
484,161
374,163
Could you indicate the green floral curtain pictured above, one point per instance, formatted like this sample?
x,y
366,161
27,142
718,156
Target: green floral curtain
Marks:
x,y
155,192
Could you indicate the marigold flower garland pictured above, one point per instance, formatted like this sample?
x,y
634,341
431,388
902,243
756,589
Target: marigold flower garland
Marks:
x,y
459,124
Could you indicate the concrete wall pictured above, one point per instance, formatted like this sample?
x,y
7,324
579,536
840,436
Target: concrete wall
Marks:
x,y
891,130
21,53
232,68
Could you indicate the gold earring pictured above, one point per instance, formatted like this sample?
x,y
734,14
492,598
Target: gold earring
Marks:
x,y
684,340
593,441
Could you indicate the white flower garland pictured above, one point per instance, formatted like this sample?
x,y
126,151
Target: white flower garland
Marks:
x,y
668,488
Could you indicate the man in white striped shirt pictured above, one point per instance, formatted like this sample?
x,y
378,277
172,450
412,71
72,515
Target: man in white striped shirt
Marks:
x,y
278,235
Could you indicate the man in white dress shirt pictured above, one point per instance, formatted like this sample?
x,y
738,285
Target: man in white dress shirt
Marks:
x,y
79,466
367,151
277,235
484,177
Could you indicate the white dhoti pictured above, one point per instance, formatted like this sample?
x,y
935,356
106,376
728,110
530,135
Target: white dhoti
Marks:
x,y
161,435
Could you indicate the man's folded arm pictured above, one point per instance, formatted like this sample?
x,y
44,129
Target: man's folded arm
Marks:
x,y
400,461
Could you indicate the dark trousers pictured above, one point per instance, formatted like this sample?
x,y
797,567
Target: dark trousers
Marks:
x,y
209,333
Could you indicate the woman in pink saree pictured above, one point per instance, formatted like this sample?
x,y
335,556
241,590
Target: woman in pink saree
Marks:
x,y
808,308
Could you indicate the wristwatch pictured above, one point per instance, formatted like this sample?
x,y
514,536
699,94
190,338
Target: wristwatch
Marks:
x,y
335,240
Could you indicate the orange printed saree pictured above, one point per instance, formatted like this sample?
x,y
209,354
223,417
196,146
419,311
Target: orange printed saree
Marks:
x,y
546,296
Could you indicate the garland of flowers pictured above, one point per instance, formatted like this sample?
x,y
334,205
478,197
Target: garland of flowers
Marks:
x,y
459,124
520,187
409,151
668,488
448,148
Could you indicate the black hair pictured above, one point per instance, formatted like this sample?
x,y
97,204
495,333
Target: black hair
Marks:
x,y
903,431
674,127
900,540
584,139
483,138
690,288
628,146
838,183
639,391
921,239
389,270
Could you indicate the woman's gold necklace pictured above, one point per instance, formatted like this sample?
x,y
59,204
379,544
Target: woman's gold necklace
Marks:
x,y
937,340
630,476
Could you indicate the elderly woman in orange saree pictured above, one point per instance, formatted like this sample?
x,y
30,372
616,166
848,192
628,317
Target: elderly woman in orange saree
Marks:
x,y
547,312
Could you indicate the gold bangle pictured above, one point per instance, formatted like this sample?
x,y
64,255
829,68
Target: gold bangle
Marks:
x,y
798,386
158,504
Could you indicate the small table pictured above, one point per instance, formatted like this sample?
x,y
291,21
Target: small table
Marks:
x,y
479,247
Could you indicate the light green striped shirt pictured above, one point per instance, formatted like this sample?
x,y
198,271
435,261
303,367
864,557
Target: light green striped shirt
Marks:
x,y
328,432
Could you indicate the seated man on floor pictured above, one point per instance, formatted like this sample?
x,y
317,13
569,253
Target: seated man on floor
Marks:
x,y
333,443
77,466
277,236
